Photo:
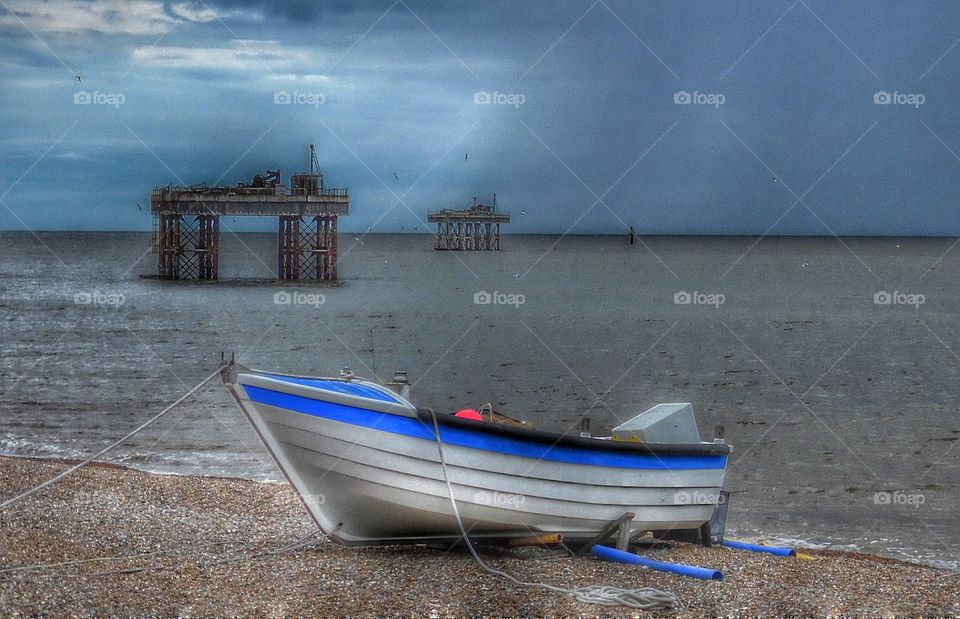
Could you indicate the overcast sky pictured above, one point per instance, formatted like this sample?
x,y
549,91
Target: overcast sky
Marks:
x,y
587,116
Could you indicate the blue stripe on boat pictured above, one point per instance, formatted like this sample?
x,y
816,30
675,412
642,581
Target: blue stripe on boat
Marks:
x,y
338,386
478,440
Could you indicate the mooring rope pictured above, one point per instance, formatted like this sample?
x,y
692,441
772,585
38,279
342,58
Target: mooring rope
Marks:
x,y
644,599
307,541
139,555
113,445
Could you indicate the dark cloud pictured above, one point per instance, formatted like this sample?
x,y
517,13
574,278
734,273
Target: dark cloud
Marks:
x,y
581,105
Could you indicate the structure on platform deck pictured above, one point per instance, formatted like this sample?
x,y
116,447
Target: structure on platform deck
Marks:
x,y
187,223
472,229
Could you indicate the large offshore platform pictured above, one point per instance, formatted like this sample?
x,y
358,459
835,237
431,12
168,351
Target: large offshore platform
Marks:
x,y
187,223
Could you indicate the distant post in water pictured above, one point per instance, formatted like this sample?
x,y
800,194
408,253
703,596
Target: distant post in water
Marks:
x,y
631,235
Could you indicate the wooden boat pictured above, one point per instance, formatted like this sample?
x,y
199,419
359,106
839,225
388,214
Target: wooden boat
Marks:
x,y
365,463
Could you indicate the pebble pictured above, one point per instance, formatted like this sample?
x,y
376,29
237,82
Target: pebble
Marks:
x,y
141,544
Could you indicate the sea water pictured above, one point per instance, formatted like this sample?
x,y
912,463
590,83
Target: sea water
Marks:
x,y
832,366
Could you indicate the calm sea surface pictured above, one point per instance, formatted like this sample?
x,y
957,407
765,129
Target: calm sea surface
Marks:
x,y
843,411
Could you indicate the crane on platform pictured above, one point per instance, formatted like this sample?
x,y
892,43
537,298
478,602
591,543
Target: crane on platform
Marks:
x,y
315,164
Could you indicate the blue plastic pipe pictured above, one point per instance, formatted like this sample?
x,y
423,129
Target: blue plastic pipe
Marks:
x,y
612,554
780,552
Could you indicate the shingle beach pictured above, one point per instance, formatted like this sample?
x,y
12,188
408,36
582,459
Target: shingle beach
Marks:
x,y
110,541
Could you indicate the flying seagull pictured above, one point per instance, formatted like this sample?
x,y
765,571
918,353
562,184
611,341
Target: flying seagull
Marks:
x,y
77,76
139,208
396,177
466,156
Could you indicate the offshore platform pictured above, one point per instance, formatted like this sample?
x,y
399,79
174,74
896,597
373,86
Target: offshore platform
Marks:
x,y
187,223
476,228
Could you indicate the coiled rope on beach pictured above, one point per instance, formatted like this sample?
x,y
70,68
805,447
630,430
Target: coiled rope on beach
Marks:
x,y
645,599
111,446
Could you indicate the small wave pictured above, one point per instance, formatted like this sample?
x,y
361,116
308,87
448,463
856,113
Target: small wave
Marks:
x,y
204,463
13,445
217,463
881,547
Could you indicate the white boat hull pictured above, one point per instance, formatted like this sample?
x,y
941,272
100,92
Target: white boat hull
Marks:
x,y
377,483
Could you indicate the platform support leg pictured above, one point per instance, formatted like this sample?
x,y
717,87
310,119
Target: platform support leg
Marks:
x,y
208,247
169,246
332,232
307,248
288,248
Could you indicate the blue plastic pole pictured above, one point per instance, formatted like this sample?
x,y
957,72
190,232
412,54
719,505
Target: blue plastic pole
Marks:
x,y
612,554
780,552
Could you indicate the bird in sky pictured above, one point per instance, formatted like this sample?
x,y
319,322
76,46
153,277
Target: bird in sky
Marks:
x,y
396,177
466,156
77,76
139,208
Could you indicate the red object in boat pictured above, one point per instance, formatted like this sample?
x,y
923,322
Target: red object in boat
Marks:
x,y
469,413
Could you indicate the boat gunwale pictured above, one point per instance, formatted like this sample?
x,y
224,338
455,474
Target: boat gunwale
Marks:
x,y
567,440
424,415
265,380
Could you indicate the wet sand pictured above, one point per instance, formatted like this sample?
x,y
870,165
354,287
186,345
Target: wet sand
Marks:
x,y
842,412
117,542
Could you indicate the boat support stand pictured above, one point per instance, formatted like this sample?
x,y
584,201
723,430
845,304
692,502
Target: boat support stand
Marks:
x,y
620,526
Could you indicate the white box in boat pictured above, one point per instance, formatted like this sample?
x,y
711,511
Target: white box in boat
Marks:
x,y
664,423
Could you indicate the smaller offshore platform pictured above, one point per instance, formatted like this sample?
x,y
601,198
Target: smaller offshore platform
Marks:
x,y
187,223
476,228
